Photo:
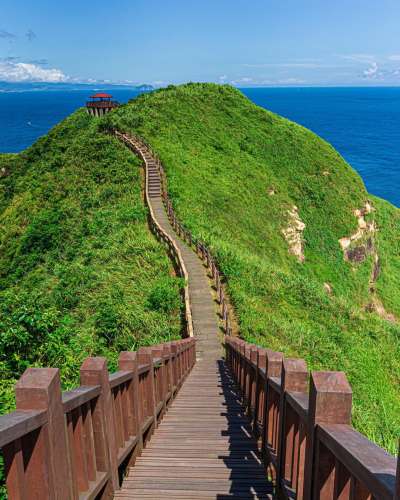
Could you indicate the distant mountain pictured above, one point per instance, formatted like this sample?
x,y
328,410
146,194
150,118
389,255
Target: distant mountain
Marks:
x,y
144,88
38,86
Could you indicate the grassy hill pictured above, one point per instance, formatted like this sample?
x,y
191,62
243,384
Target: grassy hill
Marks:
x,y
311,259
80,272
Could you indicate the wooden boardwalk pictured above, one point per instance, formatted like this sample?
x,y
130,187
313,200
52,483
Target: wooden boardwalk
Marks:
x,y
189,416
203,447
204,311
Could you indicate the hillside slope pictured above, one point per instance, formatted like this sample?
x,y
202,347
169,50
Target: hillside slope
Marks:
x,y
80,272
311,259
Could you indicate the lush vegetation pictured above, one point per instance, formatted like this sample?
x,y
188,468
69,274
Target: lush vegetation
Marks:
x,y
80,273
235,171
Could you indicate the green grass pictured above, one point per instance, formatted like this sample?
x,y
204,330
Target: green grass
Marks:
x,y
80,273
222,156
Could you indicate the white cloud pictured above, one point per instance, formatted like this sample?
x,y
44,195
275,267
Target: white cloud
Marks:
x,y
285,65
360,58
291,81
243,80
394,57
223,78
159,83
275,82
28,72
372,71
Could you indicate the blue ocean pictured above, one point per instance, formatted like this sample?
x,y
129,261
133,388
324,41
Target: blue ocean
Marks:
x,y
363,124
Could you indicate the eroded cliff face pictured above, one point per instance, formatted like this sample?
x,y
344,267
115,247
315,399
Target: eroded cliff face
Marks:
x,y
357,246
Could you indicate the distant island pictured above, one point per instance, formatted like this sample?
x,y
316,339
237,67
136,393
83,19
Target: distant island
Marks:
x,y
40,86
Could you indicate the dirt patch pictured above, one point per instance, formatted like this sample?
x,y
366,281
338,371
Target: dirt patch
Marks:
x,y
294,234
377,307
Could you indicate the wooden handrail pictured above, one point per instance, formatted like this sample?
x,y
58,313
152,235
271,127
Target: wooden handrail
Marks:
x,y
277,395
309,447
137,144
71,445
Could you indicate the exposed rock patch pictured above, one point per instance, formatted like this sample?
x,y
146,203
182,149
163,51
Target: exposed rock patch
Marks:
x,y
328,288
360,244
357,247
271,191
294,234
4,172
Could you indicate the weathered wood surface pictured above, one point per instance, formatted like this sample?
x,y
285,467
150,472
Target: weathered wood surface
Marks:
x,y
203,448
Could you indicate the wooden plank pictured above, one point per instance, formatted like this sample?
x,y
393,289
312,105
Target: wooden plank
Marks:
x,y
203,448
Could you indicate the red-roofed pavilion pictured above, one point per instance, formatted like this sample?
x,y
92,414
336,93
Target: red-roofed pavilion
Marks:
x,y
100,104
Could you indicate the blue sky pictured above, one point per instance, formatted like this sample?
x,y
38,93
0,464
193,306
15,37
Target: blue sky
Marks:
x,y
258,42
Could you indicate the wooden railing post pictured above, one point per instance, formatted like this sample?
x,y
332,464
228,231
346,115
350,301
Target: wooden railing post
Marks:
x,y
193,352
174,366
273,369
246,379
168,370
128,362
144,356
260,391
228,354
159,388
94,372
179,363
47,473
253,356
330,402
294,379
242,362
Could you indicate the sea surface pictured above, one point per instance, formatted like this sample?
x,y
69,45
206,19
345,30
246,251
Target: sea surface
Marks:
x,y
363,124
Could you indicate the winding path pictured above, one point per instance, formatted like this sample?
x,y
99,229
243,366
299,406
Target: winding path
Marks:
x,y
203,448
203,307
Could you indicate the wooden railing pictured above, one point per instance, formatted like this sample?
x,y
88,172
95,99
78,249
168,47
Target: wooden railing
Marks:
x,y
201,249
303,422
75,445
102,104
173,251
308,444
